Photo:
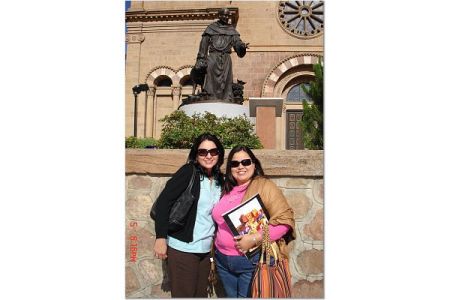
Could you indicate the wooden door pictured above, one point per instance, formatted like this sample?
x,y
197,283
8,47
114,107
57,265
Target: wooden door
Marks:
x,y
293,130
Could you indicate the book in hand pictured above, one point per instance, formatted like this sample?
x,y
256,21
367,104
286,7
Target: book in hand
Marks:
x,y
247,218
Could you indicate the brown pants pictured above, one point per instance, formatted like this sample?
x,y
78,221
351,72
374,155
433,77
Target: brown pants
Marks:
x,y
188,273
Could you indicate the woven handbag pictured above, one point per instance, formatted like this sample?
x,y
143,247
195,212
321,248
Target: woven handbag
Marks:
x,y
271,281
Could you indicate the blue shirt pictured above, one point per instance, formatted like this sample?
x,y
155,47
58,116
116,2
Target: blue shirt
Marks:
x,y
204,224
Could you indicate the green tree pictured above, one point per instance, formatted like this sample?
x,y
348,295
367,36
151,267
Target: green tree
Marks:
x,y
180,130
312,121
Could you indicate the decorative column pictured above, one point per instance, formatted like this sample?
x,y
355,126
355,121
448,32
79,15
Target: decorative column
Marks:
x,y
155,96
132,77
148,123
176,94
266,111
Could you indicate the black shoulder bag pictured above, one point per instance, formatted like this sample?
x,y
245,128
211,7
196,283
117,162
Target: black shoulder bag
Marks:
x,y
180,209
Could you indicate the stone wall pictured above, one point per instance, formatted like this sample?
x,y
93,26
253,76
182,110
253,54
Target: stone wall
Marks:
x,y
299,174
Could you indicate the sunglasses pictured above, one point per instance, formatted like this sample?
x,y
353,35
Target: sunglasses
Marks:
x,y
204,152
245,162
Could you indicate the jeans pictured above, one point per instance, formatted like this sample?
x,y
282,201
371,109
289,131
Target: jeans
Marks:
x,y
236,273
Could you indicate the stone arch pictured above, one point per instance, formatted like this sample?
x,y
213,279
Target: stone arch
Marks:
x,y
271,80
287,81
161,70
183,72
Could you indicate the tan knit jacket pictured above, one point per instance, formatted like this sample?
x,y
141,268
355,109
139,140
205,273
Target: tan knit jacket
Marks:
x,y
279,210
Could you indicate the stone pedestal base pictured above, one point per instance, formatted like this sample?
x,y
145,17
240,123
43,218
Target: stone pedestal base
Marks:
x,y
222,109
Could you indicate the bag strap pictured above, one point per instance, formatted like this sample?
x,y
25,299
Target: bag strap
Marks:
x,y
191,183
268,249
275,250
265,246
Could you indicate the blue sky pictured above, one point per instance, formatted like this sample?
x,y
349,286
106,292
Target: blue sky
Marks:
x,y
127,6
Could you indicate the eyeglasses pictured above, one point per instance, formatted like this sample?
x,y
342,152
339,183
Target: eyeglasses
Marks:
x,y
245,162
204,152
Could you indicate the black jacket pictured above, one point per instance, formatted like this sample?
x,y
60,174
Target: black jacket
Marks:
x,y
174,187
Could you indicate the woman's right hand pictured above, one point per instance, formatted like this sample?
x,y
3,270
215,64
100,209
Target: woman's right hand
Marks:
x,y
245,242
160,248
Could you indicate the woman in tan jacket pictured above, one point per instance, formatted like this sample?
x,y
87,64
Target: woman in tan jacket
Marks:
x,y
244,178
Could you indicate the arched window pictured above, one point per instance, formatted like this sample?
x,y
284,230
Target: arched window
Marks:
x,y
186,81
297,94
163,80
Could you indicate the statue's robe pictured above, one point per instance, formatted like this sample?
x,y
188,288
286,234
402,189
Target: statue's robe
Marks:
x,y
215,47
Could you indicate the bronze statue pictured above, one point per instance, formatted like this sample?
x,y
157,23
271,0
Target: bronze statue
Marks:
x,y
214,60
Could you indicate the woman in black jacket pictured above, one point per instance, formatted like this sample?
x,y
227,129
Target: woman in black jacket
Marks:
x,y
188,249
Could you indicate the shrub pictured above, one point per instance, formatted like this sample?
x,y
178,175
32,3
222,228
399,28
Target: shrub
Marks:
x,y
134,142
312,120
180,130
312,126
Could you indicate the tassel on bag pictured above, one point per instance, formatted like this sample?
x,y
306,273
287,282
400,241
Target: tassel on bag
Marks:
x,y
212,277
271,281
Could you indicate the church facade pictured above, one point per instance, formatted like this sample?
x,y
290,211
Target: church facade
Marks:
x,y
285,40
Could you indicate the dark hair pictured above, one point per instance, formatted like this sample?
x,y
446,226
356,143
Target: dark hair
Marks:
x,y
192,158
230,182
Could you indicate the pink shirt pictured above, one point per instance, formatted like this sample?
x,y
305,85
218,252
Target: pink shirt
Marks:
x,y
224,241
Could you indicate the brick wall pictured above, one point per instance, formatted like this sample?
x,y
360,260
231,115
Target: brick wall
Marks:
x,y
299,174
254,68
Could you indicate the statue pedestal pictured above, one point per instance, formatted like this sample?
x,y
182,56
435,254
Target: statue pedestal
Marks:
x,y
220,109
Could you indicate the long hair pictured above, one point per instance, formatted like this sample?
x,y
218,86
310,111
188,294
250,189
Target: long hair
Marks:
x,y
192,158
230,182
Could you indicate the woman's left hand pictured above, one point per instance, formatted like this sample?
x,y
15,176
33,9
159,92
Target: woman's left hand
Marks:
x,y
245,242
